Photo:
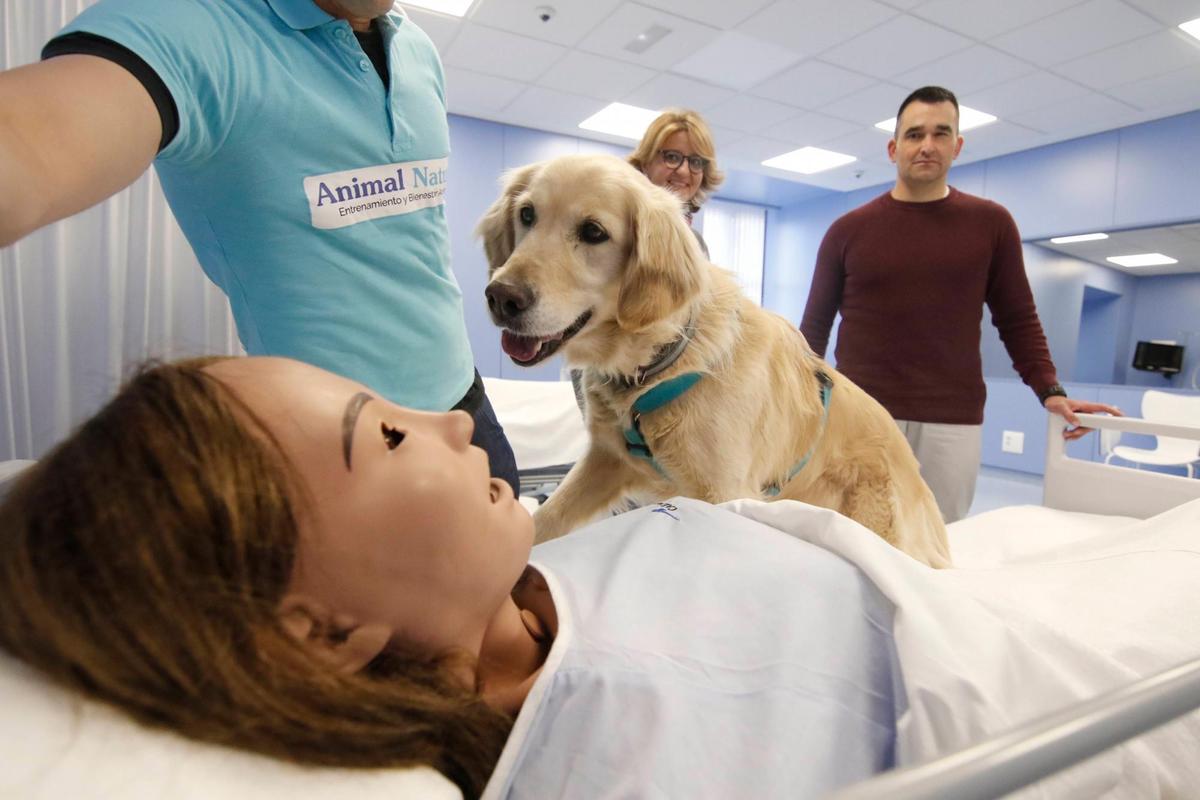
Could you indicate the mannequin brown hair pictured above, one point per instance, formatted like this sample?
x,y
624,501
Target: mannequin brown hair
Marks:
x,y
142,563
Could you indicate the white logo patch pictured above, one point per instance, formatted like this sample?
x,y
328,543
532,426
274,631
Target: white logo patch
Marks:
x,y
339,199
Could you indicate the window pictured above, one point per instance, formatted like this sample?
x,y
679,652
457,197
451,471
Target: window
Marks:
x,y
736,235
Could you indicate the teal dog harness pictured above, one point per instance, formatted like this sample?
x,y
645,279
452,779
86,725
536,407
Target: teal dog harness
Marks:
x,y
670,390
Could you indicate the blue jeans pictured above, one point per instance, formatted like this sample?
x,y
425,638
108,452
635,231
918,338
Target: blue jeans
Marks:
x,y
490,437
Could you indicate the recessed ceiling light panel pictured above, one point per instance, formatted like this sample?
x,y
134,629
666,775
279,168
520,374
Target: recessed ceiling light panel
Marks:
x,y
1143,260
1082,237
619,119
1191,27
809,160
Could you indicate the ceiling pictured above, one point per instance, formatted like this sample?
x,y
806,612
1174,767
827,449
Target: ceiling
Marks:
x,y
771,76
1181,242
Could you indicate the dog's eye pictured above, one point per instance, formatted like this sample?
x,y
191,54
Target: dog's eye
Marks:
x,y
527,216
592,233
392,437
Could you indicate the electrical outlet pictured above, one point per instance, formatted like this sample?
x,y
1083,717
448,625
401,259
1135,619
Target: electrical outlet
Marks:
x,y
1013,442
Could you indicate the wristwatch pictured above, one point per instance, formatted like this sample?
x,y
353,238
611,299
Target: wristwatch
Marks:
x,y
1056,390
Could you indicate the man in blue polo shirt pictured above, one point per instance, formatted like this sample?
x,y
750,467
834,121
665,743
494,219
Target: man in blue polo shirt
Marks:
x,y
302,146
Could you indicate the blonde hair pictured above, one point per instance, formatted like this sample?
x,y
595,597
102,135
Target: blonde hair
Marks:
x,y
668,123
142,563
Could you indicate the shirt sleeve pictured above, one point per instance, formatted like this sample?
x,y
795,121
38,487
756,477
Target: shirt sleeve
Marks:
x,y
187,45
86,44
1014,313
825,294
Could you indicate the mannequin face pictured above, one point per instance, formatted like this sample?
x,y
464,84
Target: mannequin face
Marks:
x,y
407,528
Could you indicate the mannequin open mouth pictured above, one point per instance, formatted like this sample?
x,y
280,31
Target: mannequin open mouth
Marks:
x,y
529,350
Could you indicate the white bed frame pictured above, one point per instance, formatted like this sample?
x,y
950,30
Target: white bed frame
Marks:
x,y
1030,752
1072,484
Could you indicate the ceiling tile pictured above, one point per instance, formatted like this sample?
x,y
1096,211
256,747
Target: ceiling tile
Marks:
x,y
756,149
983,19
1170,12
846,178
1077,31
744,112
724,138
1165,51
811,128
873,104
896,46
968,70
595,76
1078,116
673,90
472,92
812,84
570,23
1171,93
440,28
1031,91
717,13
813,26
998,138
619,29
736,61
551,110
499,53
868,144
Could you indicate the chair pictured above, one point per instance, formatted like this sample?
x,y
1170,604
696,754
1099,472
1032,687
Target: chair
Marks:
x,y
1175,409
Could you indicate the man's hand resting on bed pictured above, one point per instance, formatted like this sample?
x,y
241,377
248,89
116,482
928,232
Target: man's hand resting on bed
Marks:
x,y
1065,407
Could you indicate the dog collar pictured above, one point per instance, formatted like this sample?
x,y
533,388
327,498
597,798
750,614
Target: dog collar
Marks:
x,y
666,356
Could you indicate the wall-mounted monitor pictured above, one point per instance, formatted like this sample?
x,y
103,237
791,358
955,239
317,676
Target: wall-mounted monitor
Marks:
x,y
1163,357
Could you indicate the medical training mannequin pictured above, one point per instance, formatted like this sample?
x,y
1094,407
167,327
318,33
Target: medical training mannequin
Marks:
x,y
263,554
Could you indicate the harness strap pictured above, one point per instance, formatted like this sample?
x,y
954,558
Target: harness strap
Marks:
x,y
826,392
651,400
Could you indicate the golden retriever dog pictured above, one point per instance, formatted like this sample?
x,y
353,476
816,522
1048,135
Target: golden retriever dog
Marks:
x,y
691,388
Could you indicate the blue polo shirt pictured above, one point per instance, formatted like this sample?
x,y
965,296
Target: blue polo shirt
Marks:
x,y
312,195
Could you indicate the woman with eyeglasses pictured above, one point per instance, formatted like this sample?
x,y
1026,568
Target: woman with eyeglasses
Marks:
x,y
677,153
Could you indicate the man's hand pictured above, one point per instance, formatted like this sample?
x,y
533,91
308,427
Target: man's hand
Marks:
x,y
1065,407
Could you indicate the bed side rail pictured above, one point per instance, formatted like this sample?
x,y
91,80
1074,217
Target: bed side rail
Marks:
x,y
1011,760
1071,484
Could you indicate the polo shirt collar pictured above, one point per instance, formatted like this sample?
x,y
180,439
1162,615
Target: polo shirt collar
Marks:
x,y
304,14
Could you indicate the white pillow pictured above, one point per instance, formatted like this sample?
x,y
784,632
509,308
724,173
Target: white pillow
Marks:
x,y
57,744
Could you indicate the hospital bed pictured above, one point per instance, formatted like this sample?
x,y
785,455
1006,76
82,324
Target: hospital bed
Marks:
x,y
57,745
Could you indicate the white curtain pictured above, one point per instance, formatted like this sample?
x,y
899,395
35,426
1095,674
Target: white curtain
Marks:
x,y
85,300
736,237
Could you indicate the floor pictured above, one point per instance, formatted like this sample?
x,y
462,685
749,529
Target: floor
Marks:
x,y
996,488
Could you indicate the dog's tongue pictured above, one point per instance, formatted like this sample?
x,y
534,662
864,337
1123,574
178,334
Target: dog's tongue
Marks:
x,y
520,348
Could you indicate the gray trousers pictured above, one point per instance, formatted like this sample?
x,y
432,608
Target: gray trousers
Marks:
x,y
949,458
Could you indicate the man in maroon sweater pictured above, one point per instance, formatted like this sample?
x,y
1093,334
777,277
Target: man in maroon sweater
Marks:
x,y
910,272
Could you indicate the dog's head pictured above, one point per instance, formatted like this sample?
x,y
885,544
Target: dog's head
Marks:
x,y
578,241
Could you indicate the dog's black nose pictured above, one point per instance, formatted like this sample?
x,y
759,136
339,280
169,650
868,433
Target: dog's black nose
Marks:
x,y
506,302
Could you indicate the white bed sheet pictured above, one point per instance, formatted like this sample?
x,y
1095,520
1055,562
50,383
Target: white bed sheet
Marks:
x,y
541,419
1045,608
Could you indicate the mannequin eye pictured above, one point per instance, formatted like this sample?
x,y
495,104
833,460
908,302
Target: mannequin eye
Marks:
x,y
392,437
527,216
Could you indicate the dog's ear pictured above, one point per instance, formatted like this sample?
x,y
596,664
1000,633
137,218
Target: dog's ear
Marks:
x,y
665,269
496,225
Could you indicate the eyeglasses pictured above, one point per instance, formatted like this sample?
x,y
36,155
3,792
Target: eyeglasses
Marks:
x,y
673,158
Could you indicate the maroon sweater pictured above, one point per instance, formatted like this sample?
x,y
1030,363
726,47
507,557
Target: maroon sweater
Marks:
x,y
911,280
